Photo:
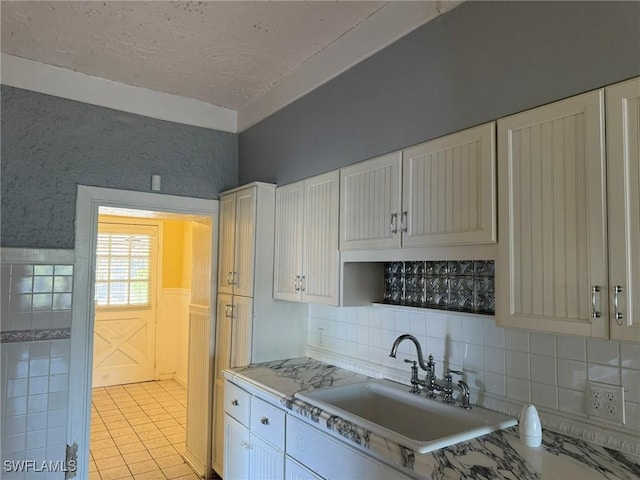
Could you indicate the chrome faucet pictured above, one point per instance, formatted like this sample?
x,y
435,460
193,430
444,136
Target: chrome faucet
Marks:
x,y
430,383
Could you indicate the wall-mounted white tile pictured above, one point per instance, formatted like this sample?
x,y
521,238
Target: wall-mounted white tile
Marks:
x,y
37,439
375,318
352,332
16,405
376,354
38,455
14,424
14,443
572,374
388,319
518,389
542,344
363,351
362,316
472,356
492,336
435,347
453,352
417,324
543,369
571,401
341,330
38,385
632,415
19,369
472,330
40,349
572,348
631,384
37,403
330,312
42,320
494,383
363,334
375,337
17,387
402,321
517,364
38,367
58,401
494,360
435,325
603,352
603,374
630,355
36,421
20,303
59,348
453,327
544,395
56,436
315,310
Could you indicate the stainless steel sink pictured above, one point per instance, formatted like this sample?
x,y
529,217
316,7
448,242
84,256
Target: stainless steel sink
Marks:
x,y
388,409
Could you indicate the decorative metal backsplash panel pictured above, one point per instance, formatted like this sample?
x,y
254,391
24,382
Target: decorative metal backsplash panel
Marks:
x,y
463,286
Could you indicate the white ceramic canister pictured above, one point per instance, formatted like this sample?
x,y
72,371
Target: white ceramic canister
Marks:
x,y
530,427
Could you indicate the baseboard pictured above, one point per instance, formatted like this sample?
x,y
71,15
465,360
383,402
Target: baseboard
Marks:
x,y
181,380
166,376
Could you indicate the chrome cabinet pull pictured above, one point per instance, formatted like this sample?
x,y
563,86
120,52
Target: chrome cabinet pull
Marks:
x,y
303,287
264,421
394,223
227,311
234,402
616,313
403,222
594,294
229,279
296,283
234,279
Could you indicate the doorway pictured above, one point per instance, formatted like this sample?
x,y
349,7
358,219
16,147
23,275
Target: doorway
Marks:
x,y
203,215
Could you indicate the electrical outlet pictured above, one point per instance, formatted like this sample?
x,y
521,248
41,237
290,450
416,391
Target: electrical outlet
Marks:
x,y
605,402
320,337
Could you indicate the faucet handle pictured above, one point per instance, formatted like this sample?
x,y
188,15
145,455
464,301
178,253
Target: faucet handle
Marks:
x,y
455,372
406,360
415,383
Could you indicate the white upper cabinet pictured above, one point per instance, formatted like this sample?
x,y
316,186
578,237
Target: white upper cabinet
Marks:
x,y
288,244
441,192
237,242
449,191
623,162
551,272
370,203
306,246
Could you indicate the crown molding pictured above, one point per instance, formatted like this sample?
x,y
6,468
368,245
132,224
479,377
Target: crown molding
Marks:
x,y
393,21
60,82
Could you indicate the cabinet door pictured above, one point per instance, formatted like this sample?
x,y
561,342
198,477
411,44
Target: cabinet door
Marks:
x,y
241,331
552,251
370,203
320,248
222,354
623,148
226,249
266,462
449,190
236,450
243,271
288,241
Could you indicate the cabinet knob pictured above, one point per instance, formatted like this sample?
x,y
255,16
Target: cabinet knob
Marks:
x,y
234,402
264,421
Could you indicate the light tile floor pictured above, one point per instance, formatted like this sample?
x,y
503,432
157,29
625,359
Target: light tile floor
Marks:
x,y
138,432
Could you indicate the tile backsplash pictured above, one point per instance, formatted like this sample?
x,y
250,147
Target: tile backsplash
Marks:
x,y
36,319
464,285
518,365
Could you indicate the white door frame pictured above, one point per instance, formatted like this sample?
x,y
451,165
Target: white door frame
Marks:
x,y
89,200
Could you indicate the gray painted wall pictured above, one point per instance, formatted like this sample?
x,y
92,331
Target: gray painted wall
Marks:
x,y
479,62
50,144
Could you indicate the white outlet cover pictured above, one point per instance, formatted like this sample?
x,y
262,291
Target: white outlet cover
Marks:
x,y
605,402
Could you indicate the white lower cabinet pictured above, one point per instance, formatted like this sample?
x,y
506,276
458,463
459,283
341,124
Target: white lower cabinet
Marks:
x,y
330,458
236,451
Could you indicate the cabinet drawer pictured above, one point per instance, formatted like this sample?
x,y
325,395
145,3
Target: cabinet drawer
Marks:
x,y
237,403
267,421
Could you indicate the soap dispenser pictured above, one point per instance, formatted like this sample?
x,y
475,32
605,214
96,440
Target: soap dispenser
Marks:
x,y
530,428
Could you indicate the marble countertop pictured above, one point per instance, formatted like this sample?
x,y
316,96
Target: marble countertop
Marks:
x,y
498,455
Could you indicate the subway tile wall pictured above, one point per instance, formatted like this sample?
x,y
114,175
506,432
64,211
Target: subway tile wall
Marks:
x,y
522,366
36,303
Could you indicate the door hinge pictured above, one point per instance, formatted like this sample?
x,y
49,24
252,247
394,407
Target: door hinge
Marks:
x,y
71,461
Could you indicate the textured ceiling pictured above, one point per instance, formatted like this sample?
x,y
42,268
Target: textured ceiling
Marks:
x,y
224,53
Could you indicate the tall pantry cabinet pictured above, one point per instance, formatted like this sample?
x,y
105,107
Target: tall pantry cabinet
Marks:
x,y
251,326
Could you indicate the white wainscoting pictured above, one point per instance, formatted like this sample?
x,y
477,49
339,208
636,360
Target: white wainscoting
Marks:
x,y
172,342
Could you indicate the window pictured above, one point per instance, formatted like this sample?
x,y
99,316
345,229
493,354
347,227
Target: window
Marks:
x,y
123,269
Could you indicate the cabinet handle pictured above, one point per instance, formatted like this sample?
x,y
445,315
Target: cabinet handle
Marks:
x,y
234,402
264,420
303,287
403,222
594,294
296,283
227,311
394,223
234,278
229,280
616,313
